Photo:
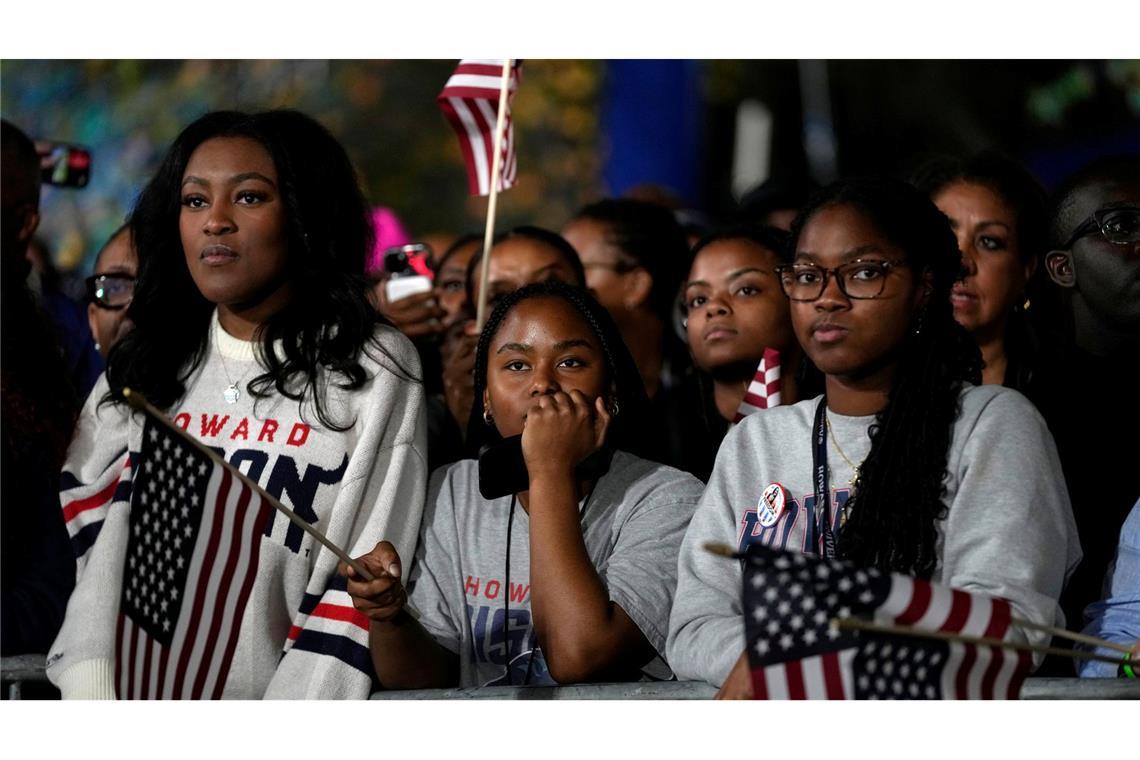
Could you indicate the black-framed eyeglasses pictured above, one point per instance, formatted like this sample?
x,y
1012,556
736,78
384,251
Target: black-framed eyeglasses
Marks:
x,y
857,279
1120,225
111,291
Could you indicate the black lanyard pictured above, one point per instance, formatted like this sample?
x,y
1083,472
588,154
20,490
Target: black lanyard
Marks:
x,y
824,545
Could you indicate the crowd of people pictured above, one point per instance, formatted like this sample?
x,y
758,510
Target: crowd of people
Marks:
x,y
532,495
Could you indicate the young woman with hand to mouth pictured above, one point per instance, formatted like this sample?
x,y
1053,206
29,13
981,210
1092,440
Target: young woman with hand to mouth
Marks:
x,y
567,580
924,472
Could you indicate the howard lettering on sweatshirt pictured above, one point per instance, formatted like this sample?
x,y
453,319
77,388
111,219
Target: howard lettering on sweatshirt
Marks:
x,y
282,463
269,430
795,525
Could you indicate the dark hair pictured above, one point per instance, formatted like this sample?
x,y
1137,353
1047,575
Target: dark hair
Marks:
x,y
649,236
627,428
124,227
328,235
528,232
460,243
1118,168
772,238
901,483
21,164
1025,195
1004,176
775,193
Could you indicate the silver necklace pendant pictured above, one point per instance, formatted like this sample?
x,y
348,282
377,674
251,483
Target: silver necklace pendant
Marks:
x,y
232,394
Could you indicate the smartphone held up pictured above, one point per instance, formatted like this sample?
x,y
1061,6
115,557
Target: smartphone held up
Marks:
x,y
63,164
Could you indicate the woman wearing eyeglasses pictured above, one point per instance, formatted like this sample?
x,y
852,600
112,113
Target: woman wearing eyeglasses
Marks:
x,y
254,334
997,211
923,471
109,290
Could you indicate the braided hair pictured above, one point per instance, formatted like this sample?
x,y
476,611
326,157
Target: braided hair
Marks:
x,y
621,371
893,515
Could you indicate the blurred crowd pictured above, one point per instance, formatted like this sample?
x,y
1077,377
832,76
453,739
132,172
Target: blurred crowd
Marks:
x,y
970,338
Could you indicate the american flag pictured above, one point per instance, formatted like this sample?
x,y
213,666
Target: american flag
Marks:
x,y
192,556
470,101
794,653
764,390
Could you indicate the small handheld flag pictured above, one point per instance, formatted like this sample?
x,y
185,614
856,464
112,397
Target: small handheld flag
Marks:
x,y
764,390
192,556
796,652
195,530
470,100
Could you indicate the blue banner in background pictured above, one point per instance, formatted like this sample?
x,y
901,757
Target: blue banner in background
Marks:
x,y
652,118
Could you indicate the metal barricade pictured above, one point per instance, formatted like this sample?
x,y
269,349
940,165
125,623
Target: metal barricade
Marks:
x,y
17,671
1034,688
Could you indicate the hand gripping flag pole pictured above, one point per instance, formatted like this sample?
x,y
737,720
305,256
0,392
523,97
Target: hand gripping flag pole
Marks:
x,y
139,402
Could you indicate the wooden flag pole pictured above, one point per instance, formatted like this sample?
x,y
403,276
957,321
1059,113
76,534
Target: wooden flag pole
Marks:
x,y
140,403
724,550
496,169
854,624
1072,635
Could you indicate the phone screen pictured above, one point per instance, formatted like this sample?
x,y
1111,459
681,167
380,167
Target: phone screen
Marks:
x,y
64,165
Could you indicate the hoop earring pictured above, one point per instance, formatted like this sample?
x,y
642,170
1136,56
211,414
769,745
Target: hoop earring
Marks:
x,y
488,420
615,409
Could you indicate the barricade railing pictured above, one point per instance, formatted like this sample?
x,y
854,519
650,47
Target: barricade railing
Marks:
x,y
15,672
1034,688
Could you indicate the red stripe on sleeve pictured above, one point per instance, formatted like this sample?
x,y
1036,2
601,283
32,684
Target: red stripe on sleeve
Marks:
x,y
91,502
337,612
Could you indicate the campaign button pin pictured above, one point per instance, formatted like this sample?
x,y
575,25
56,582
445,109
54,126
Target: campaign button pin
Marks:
x,y
771,505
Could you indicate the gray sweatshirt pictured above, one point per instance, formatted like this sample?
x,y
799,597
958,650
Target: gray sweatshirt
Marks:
x,y
1009,531
632,524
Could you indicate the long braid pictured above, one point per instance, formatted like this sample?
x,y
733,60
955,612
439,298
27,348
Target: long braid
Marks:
x,y
894,514
904,473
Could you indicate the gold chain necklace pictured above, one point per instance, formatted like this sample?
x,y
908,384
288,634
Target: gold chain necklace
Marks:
x,y
835,442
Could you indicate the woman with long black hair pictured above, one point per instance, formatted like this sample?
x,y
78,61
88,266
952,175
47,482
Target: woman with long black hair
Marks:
x,y
559,573
927,473
254,333
997,211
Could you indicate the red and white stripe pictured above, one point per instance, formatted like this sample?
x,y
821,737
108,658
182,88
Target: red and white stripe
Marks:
x,y
764,390
222,570
470,101
824,676
85,505
973,672
334,614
